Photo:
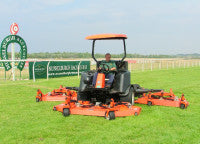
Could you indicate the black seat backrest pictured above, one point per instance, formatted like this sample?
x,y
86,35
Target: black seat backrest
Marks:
x,y
121,65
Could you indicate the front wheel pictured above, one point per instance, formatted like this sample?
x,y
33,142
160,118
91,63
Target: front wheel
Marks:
x,y
111,115
66,112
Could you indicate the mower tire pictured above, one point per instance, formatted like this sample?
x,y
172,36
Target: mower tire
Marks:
x,y
54,109
182,106
111,115
136,114
37,100
149,103
66,112
129,97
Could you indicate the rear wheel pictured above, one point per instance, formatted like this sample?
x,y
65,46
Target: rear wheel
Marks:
x,y
111,115
66,112
182,106
130,97
149,103
37,100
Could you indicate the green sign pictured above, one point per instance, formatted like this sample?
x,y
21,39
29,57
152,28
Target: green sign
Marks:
x,y
4,51
57,68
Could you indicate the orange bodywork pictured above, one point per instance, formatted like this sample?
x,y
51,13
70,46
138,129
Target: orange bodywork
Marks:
x,y
163,99
87,108
106,36
56,95
100,82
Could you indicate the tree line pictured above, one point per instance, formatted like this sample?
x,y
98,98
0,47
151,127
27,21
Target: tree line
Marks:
x,y
62,55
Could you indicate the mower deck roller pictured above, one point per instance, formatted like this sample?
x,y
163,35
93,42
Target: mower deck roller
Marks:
x,y
56,95
163,99
86,108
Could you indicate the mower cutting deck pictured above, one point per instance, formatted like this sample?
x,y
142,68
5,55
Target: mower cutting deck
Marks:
x,y
164,99
56,95
86,108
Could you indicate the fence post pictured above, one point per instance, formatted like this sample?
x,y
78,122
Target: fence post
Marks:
x,y
48,70
142,65
5,73
151,65
34,71
13,58
79,68
160,65
130,66
184,64
20,74
167,65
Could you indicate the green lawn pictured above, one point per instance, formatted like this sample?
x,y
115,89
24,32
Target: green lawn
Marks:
x,y
22,120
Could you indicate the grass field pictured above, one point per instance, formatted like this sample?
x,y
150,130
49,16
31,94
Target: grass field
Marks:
x,y
22,120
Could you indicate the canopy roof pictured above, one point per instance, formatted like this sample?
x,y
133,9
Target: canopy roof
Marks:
x,y
106,36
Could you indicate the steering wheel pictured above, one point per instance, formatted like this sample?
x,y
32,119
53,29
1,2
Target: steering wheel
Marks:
x,y
104,69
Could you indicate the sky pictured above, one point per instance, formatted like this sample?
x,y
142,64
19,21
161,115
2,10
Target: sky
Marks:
x,y
152,26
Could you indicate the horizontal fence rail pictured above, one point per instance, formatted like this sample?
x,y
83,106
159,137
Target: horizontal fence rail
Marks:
x,y
134,65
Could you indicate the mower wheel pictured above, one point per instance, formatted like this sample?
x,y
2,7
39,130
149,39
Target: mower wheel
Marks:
x,y
37,100
54,109
136,114
111,115
66,112
182,106
149,103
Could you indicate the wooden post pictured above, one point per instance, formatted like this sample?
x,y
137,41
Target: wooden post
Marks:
x,y
160,65
143,66
167,65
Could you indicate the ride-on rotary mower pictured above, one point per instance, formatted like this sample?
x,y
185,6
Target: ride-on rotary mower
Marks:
x,y
98,100
56,95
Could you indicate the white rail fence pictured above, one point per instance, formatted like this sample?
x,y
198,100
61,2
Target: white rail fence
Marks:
x,y
158,64
137,65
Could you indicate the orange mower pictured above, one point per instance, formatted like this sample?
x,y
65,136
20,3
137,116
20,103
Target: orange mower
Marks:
x,y
118,99
163,99
56,95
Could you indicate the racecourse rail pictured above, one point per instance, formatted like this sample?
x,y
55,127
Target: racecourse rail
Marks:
x,y
135,65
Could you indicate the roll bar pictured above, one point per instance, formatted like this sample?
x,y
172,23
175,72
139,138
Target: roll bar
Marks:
x,y
93,45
